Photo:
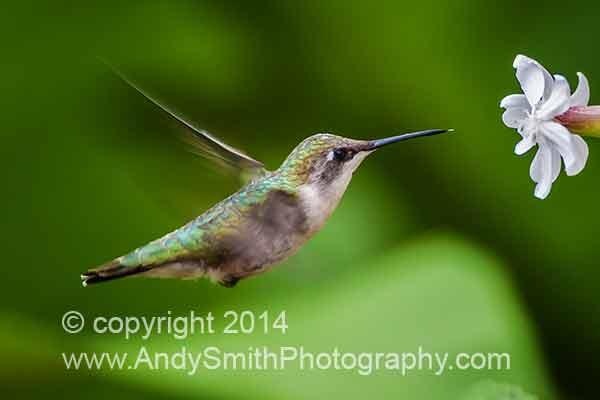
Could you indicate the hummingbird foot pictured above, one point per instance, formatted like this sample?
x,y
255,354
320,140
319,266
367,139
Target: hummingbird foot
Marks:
x,y
229,281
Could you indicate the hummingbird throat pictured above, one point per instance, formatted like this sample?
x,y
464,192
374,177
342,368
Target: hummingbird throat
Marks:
x,y
321,195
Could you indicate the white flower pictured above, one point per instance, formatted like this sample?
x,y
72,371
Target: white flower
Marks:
x,y
533,115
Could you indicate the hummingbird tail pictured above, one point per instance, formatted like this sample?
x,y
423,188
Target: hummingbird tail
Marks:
x,y
109,271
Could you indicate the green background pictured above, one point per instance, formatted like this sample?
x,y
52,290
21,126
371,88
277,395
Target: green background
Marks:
x,y
438,242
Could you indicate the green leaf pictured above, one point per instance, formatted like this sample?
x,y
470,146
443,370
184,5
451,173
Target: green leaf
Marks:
x,y
439,294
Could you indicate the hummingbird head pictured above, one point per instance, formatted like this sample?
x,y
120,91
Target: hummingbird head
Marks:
x,y
325,159
322,165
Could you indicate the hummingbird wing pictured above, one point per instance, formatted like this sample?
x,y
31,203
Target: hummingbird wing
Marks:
x,y
205,144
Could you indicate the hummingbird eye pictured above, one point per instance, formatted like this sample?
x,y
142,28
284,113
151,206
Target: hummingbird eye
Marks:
x,y
341,154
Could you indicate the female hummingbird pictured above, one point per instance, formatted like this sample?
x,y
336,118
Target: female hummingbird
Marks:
x,y
263,223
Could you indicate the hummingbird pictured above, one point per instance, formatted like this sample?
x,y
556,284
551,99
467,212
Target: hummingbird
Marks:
x,y
263,223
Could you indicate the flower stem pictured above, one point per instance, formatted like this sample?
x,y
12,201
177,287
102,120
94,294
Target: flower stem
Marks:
x,y
582,120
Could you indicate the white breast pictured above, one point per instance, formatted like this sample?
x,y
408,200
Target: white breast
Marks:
x,y
317,207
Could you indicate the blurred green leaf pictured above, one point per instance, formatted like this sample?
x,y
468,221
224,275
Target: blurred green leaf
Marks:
x,y
438,293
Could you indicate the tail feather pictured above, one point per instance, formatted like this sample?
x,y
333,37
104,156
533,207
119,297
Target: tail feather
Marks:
x,y
109,271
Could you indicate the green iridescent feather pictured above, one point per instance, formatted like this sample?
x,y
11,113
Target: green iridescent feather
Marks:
x,y
198,236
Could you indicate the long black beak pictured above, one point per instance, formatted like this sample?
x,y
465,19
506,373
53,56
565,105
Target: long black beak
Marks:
x,y
375,144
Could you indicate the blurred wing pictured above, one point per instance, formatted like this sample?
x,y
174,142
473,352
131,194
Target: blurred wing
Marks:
x,y
206,145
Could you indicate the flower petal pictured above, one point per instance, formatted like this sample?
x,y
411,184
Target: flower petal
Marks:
x,y
524,145
581,97
513,117
581,155
522,62
559,101
542,171
556,164
561,139
516,101
531,79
